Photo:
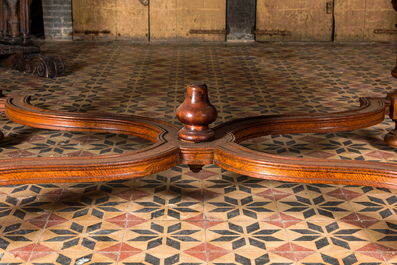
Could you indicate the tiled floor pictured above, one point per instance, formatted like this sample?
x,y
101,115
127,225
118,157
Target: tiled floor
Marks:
x,y
215,216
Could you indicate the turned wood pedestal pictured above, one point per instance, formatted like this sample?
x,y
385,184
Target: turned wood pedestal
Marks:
x,y
196,144
17,51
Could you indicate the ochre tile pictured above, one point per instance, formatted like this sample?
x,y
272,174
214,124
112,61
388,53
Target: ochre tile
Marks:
x,y
74,236
244,236
244,80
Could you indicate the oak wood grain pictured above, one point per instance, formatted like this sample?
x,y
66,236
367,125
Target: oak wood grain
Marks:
x,y
167,150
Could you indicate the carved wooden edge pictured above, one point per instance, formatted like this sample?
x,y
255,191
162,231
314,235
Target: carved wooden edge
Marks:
x,y
160,156
224,151
238,159
370,112
266,166
19,110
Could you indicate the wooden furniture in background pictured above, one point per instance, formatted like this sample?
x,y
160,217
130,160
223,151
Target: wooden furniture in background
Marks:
x,y
17,51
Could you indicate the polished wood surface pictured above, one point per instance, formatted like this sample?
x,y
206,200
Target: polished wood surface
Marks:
x,y
224,150
196,144
196,112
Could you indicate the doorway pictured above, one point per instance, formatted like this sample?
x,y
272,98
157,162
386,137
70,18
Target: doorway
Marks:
x,y
240,20
36,18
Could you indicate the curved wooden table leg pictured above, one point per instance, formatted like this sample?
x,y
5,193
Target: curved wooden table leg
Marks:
x,y
224,150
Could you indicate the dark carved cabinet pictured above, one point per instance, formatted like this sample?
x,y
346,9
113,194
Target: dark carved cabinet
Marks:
x,y
17,51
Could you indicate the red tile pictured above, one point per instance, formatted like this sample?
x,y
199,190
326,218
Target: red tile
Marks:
x,y
197,195
26,252
284,248
138,194
203,174
121,220
13,154
41,251
350,195
288,255
380,155
366,220
56,219
208,194
121,251
311,139
53,195
126,195
337,193
198,252
268,194
320,154
371,247
67,194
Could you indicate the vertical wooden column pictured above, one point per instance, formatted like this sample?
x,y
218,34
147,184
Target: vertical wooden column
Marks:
x,y
196,112
24,14
3,20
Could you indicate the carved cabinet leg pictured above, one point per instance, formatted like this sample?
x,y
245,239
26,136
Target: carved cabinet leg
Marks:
x,y
37,64
16,48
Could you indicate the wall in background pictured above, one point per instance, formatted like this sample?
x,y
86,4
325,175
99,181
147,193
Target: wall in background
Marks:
x,y
357,20
57,17
206,20
154,20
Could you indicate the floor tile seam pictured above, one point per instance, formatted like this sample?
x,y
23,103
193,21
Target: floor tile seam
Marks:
x,y
130,202
44,227
282,221
86,145
205,220
372,239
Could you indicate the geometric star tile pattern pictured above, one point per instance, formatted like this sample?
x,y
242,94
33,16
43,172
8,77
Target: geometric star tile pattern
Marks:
x,y
214,216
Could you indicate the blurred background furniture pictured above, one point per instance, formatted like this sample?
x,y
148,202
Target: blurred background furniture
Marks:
x,y
17,51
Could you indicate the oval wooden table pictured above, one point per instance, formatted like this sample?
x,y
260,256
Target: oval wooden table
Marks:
x,y
196,144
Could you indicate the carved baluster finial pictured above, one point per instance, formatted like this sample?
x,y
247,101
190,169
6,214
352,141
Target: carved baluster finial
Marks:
x,y
196,112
